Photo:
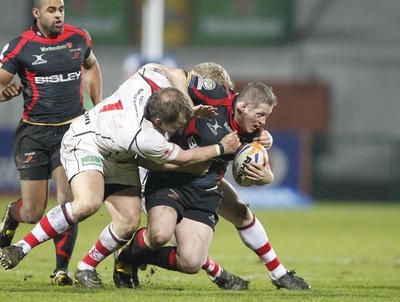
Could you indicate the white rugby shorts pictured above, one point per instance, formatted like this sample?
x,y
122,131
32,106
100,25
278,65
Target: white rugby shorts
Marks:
x,y
78,156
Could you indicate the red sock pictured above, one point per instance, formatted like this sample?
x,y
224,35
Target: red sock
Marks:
x,y
212,269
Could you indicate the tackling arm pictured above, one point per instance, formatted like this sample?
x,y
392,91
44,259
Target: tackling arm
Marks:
x,y
228,145
198,169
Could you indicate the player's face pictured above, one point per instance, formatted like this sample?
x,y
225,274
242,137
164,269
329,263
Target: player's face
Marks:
x,y
50,17
251,119
175,126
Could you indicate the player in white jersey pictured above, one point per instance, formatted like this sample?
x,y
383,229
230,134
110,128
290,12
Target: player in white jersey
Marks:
x,y
117,130
98,153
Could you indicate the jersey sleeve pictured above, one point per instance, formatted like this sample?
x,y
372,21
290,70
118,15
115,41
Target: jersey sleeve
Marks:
x,y
84,34
208,92
9,56
88,43
162,153
152,145
154,76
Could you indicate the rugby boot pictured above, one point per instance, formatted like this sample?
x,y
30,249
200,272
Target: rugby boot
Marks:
x,y
229,281
291,281
61,278
8,226
124,275
88,279
10,256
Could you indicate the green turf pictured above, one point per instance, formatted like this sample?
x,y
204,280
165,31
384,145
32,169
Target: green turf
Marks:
x,y
346,251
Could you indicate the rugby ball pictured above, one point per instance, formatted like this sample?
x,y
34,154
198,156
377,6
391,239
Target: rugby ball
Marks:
x,y
253,152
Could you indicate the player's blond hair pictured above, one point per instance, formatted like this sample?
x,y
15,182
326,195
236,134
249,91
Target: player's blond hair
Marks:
x,y
213,71
257,93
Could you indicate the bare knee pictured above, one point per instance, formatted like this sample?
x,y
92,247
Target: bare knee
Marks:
x,y
33,216
189,261
156,238
83,210
189,265
132,225
126,228
31,213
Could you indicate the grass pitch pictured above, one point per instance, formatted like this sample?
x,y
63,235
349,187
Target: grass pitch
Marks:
x,y
346,251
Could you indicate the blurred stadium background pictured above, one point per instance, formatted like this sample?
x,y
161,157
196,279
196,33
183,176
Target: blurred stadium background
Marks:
x,y
334,65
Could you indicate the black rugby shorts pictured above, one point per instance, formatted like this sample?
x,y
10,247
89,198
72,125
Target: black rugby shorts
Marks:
x,y
190,202
37,150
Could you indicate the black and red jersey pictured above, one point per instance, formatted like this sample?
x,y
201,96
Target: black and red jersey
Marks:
x,y
201,132
51,71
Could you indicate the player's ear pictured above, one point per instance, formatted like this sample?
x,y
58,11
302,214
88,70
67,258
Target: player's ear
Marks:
x,y
158,122
242,106
35,12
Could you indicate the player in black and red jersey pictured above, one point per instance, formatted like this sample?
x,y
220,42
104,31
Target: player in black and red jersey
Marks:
x,y
186,205
233,209
51,59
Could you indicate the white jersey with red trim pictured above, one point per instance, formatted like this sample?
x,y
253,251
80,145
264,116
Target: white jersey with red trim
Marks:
x,y
116,127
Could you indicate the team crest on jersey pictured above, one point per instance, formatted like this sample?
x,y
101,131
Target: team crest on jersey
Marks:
x,y
91,160
39,59
214,128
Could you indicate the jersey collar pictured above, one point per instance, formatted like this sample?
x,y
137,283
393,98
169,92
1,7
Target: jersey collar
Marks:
x,y
35,28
